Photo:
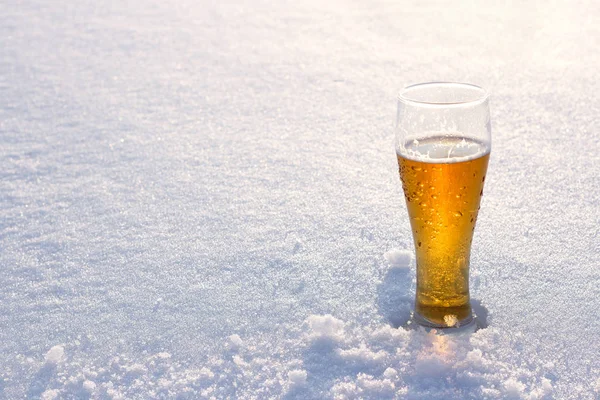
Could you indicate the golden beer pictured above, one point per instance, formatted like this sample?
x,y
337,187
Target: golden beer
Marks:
x,y
442,178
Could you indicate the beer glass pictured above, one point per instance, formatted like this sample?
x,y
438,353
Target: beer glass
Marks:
x,y
443,142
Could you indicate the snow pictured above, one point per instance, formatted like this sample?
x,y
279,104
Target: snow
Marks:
x,y
54,355
201,200
50,394
325,327
235,341
297,377
398,258
89,386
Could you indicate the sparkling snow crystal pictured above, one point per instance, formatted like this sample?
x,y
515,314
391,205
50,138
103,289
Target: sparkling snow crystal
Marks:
x,y
55,355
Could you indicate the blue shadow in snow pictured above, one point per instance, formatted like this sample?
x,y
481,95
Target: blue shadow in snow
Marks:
x,y
395,299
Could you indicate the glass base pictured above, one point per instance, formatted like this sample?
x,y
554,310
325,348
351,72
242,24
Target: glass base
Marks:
x,y
468,325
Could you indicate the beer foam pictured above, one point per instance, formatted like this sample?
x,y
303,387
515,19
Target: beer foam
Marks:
x,y
442,149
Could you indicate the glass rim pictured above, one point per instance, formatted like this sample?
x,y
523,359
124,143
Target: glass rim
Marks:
x,y
478,99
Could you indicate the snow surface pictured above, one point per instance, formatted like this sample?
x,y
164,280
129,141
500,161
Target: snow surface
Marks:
x,y
200,199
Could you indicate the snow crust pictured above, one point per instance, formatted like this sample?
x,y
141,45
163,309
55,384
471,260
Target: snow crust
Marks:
x,y
201,200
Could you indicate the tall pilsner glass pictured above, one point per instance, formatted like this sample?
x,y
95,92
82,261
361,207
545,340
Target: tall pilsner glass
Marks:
x,y
443,142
